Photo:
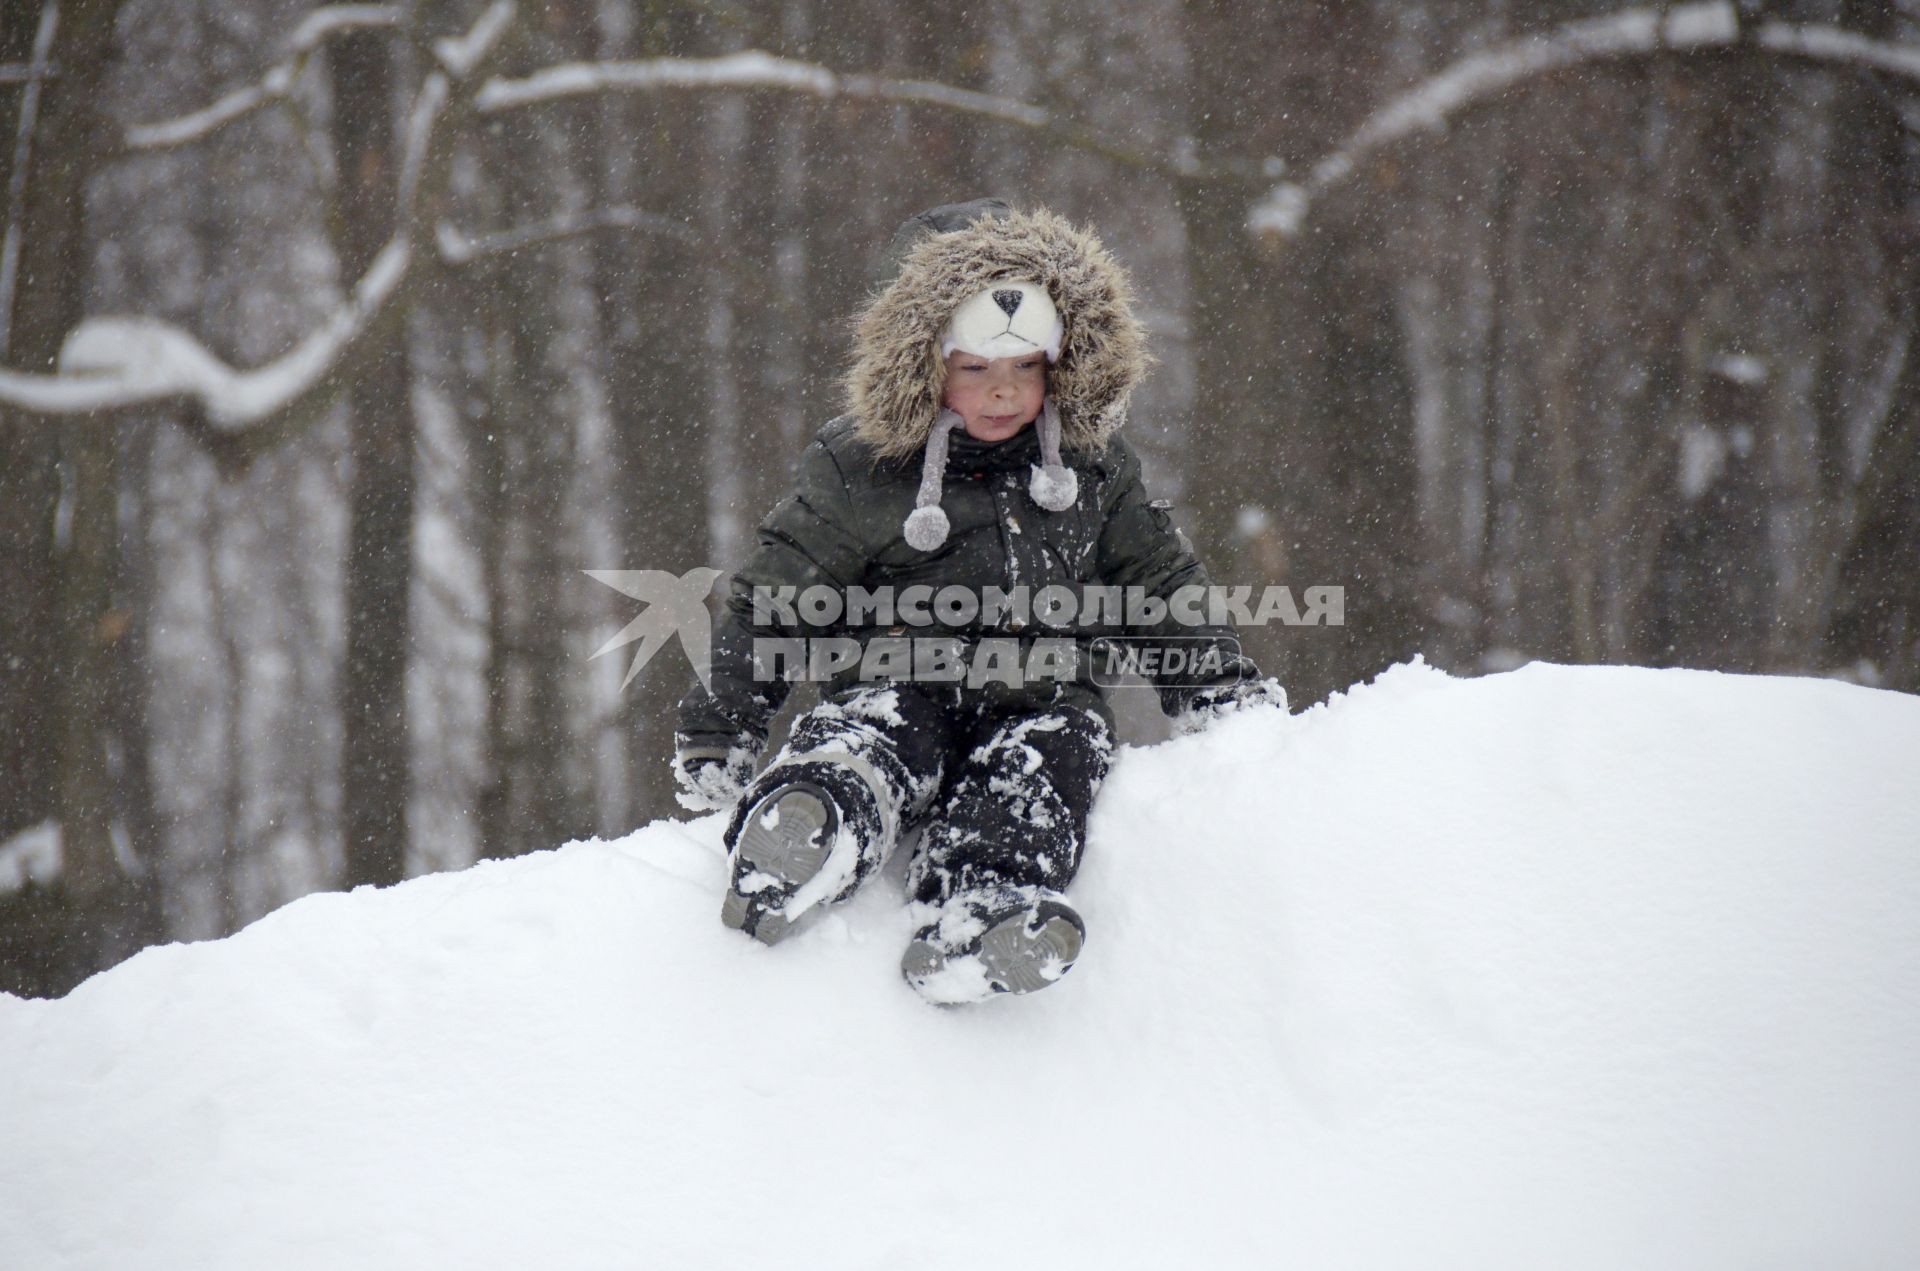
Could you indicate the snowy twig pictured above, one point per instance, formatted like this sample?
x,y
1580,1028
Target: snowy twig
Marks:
x,y
15,73
750,69
461,55
276,85
113,364
456,248
1481,77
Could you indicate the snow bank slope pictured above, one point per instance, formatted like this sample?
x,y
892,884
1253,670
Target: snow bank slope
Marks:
x,y
1562,968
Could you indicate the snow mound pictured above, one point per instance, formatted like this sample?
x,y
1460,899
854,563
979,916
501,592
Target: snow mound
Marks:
x,y
1566,967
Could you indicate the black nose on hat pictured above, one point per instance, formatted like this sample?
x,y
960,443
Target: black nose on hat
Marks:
x,y
1008,301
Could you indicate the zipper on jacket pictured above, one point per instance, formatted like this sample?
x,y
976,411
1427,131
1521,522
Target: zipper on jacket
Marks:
x,y
1003,515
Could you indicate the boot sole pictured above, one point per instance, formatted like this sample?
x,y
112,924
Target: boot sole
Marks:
x,y
790,852
1010,958
1019,961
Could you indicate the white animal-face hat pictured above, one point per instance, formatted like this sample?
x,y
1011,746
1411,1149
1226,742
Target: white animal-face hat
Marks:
x,y
1008,319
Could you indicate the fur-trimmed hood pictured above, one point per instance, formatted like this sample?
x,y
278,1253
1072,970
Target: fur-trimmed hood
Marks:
x,y
898,377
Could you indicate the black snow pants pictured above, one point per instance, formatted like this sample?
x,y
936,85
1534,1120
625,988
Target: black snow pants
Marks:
x,y
1003,795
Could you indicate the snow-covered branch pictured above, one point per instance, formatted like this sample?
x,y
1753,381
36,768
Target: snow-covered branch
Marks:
x,y
114,364
461,55
276,85
750,69
31,857
1480,77
757,70
457,248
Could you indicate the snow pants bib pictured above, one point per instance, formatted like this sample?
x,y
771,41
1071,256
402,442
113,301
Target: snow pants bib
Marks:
x,y
1003,796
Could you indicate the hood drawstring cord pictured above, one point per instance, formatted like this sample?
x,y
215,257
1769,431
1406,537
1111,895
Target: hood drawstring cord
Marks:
x,y
1056,487
1052,485
926,526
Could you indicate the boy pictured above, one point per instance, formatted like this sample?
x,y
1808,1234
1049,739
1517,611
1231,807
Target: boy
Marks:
x,y
978,465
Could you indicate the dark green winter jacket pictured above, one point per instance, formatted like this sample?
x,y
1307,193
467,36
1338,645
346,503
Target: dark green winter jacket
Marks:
x,y
841,528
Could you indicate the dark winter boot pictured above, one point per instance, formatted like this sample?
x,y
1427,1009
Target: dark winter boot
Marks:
x,y
784,841
1010,940
806,834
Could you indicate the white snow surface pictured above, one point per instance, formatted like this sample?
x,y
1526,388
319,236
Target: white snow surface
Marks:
x,y
1563,967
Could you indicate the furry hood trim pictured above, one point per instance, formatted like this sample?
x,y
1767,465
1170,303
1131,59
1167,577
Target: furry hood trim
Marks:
x,y
898,378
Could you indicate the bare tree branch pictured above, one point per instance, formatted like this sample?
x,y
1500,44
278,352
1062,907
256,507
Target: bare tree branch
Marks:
x,y
274,86
457,248
15,73
750,69
1634,33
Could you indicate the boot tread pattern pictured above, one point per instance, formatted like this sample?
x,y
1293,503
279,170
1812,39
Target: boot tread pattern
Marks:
x,y
784,843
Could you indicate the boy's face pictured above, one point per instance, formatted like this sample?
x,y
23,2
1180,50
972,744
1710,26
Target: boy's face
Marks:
x,y
997,397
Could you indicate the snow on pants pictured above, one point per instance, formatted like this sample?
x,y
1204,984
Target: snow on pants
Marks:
x,y
1003,796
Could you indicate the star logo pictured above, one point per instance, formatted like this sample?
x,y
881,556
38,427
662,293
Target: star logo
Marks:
x,y
675,606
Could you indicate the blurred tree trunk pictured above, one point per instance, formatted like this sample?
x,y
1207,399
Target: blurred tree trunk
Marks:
x,y
1242,399
657,380
379,571
1874,614
530,454
486,416
66,578
1301,455
1359,517
52,273
30,476
1706,606
528,795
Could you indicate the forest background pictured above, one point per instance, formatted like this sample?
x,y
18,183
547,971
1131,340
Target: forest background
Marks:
x,y
337,343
